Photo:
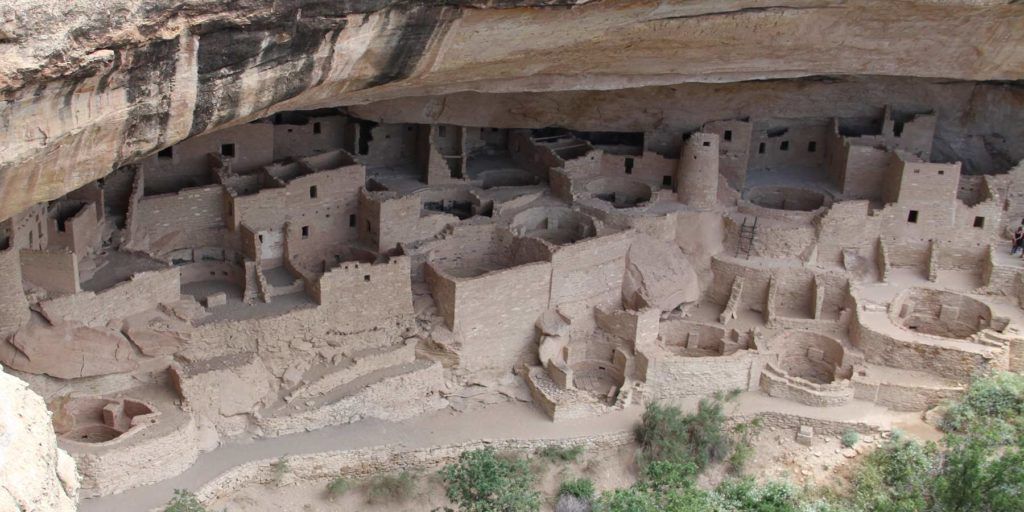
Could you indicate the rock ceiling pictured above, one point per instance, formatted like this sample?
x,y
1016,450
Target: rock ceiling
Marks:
x,y
92,85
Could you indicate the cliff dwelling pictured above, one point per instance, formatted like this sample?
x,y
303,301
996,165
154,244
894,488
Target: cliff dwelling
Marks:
x,y
332,221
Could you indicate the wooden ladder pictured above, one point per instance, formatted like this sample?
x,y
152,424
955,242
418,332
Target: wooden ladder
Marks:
x,y
747,234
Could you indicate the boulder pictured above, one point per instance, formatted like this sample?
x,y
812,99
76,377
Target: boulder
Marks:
x,y
34,473
658,275
69,351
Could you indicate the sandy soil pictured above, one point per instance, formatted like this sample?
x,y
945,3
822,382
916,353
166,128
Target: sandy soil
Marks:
x,y
608,469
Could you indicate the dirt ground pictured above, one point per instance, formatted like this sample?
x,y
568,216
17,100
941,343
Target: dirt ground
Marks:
x,y
608,469
776,456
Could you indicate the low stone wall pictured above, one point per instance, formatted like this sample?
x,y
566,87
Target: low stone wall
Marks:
x,y
953,359
902,397
160,451
143,292
393,399
779,384
670,376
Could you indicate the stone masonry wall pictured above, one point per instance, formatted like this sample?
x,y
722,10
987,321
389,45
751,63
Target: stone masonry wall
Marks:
x,y
143,292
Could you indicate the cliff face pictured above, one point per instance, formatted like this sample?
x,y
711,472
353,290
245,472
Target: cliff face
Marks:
x,y
35,475
89,86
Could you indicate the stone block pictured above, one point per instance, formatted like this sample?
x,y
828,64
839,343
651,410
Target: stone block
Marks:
x,y
216,299
805,435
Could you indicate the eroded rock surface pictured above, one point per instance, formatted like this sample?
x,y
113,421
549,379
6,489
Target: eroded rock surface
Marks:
x,y
92,86
35,475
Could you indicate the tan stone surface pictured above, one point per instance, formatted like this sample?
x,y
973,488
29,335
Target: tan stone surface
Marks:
x,y
137,60
35,475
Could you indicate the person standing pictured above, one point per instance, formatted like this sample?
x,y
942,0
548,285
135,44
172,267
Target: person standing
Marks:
x,y
1018,241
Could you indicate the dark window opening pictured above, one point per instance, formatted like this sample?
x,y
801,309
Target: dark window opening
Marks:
x,y
979,222
261,238
352,221
760,148
942,172
812,146
227,150
167,152
727,135
312,192
912,217
305,231
666,181
707,143
441,131
784,146
316,127
366,278
629,166
368,228
365,136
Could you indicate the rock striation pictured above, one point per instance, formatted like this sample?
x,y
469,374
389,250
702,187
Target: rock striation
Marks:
x,y
88,87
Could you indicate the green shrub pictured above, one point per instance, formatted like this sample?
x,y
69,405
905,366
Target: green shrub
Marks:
x,y
747,495
280,468
998,398
896,477
627,500
338,487
560,453
481,481
666,434
743,447
581,488
391,488
184,501
849,438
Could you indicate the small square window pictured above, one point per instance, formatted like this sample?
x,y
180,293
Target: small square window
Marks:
x,y
917,171
227,150
760,148
666,181
812,146
312,192
979,222
366,278
707,143
316,128
305,231
784,146
167,152
912,217
629,166
727,135
942,172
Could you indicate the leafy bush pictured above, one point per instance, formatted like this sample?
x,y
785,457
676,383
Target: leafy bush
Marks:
x,y
581,488
743,447
896,477
666,434
980,473
280,468
184,501
391,488
627,500
480,481
849,438
561,453
338,487
747,495
997,399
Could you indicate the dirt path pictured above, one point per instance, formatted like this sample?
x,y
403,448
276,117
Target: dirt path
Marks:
x,y
499,421
509,420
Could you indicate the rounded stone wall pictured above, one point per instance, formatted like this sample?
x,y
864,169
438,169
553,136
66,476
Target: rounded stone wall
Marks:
x,y
939,313
555,224
809,370
620,192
